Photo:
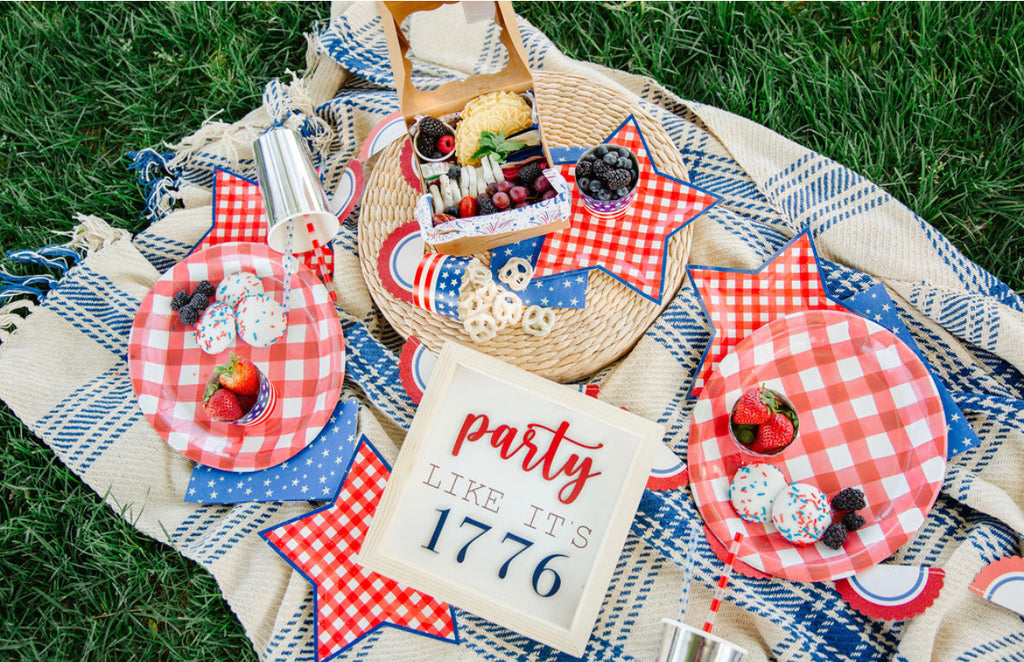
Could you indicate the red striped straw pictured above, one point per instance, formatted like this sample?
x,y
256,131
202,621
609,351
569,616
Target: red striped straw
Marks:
x,y
723,582
321,262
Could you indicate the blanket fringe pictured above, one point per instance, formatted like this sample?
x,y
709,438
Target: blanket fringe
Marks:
x,y
93,233
10,319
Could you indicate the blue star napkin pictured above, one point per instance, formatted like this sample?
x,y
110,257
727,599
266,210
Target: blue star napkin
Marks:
x,y
314,474
556,291
876,305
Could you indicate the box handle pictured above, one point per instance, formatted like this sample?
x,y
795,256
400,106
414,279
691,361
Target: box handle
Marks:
x,y
514,77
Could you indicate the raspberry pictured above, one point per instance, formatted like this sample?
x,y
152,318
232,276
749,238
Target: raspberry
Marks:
x,y
528,173
852,521
180,300
617,179
204,287
432,127
848,499
835,536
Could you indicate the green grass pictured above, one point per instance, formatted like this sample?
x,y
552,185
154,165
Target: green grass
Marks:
x,y
924,99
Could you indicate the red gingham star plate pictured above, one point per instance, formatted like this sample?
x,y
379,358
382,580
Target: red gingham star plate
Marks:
x,y
169,371
870,417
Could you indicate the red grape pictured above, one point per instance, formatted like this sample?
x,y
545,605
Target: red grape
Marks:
x,y
501,200
505,186
541,184
518,193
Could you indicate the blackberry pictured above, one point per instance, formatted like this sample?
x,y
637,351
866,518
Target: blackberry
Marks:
x,y
583,169
432,127
204,287
180,300
486,205
617,179
426,145
852,521
199,301
835,536
600,169
455,173
189,315
528,173
848,499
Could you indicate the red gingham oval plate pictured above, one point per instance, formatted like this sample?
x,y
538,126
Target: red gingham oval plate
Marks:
x,y
169,371
870,417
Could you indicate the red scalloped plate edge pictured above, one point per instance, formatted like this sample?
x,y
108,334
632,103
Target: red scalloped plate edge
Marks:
x,y
408,164
857,595
405,368
384,261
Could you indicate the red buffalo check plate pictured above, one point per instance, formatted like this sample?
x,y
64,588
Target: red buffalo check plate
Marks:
x,y
870,417
169,371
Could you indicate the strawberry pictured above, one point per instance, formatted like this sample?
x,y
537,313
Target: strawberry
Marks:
x,y
773,435
246,402
239,375
222,405
752,408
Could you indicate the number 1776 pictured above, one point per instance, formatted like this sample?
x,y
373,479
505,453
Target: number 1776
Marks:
x,y
524,544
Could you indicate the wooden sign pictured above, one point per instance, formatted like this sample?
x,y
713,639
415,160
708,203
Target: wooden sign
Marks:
x,y
512,497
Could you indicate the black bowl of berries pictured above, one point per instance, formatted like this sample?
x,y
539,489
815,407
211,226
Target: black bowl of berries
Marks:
x,y
606,176
763,421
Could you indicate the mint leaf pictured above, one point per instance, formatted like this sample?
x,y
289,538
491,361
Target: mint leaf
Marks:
x,y
496,145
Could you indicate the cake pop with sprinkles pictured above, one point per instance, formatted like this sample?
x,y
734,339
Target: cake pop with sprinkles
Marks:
x,y
215,330
753,489
237,286
261,320
801,514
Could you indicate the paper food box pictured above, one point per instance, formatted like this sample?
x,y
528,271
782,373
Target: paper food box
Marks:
x,y
478,147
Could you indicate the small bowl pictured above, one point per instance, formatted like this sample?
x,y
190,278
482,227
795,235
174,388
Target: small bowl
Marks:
x,y
415,133
796,427
266,401
613,207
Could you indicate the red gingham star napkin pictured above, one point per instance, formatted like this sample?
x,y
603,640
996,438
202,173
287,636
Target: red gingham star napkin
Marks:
x,y
870,417
238,216
351,601
631,248
737,302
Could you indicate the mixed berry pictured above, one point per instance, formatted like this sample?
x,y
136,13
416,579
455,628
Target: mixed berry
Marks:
x,y
607,172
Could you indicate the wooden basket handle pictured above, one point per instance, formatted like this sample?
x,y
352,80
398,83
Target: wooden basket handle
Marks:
x,y
514,77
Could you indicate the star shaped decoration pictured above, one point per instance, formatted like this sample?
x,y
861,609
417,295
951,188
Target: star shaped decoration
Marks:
x,y
336,442
631,248
737,302
350,601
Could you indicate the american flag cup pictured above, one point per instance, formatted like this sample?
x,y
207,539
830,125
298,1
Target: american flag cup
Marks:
x,y
438,282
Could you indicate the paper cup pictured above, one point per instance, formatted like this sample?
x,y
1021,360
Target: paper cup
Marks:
x,y
611,209
294,202
682,643
796,428
266,402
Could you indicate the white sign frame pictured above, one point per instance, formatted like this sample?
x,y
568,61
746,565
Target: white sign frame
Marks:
x,y
637,437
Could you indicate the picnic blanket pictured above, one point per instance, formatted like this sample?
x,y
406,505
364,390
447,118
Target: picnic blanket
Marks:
x,y
969,326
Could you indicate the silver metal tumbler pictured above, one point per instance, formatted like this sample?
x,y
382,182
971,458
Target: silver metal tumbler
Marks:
x,y
682,643
293,199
